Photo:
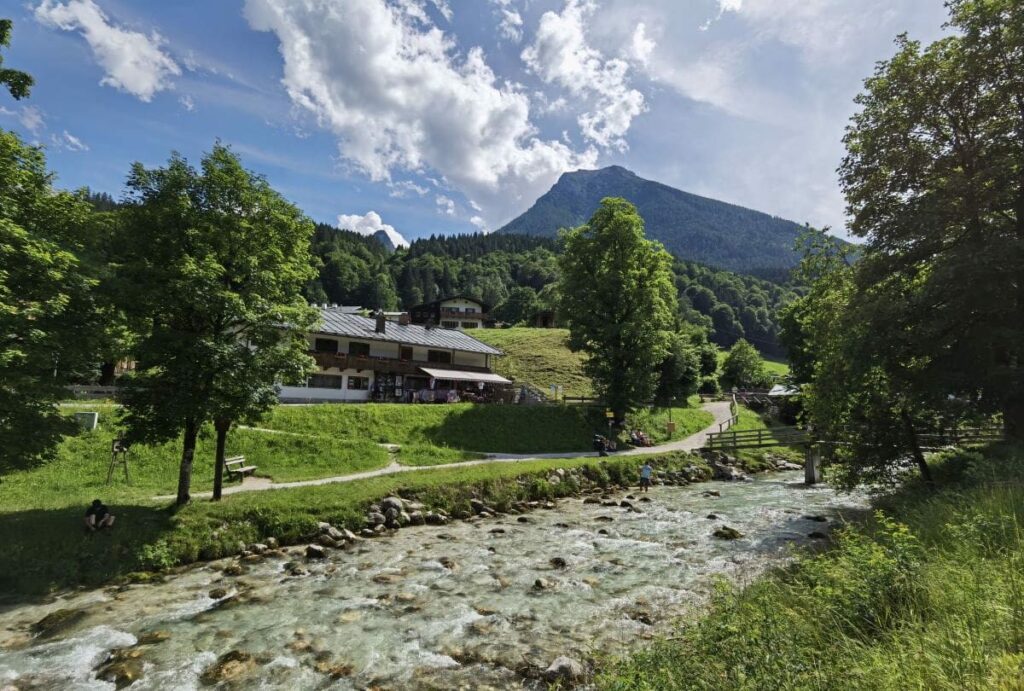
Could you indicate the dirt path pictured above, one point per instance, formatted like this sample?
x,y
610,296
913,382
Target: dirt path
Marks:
x,y
720,409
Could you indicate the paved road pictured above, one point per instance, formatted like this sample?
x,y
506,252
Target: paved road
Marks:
x,y
720,409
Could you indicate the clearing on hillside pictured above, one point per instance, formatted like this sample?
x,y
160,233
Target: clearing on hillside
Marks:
x,y
539,358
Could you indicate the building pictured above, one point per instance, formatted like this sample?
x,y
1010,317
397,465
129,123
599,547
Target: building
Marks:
x,y
455,312
375,359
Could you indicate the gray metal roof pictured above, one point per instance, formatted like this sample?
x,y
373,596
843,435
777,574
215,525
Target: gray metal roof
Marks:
x,y
334,322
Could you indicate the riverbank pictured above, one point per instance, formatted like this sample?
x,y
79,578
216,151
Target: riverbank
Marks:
x,y
928,594
45,549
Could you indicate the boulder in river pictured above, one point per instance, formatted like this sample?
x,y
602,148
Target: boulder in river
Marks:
x,y
818,519
122,667
57,621
559,563
543,584
565,670
315,552
392,503
727,533
230,666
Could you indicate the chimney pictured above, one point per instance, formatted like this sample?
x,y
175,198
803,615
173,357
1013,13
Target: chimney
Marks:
x,y
403,319
382,322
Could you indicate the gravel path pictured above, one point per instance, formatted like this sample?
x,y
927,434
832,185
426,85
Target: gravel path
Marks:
x,y
720,409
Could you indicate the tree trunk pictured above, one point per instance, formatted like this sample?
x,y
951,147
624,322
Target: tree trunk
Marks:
x,y
1013,419
188,452
915,448
222,427
107,370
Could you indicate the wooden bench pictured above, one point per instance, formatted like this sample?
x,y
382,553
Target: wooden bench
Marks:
x,y
236,466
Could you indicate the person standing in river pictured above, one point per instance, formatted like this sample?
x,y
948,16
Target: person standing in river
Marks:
x,y
646,471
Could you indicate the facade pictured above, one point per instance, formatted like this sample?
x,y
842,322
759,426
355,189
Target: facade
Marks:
x,y
455,312
375,359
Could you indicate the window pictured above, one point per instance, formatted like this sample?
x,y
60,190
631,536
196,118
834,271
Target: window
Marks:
x,y
324,381
449,325
358,383
469,325
325,345
471,310
442,356
405,353
357,348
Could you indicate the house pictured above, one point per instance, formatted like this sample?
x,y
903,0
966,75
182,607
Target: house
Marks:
x,y
375,359
455,312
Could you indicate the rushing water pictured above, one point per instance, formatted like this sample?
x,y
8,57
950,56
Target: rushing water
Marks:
x,y
435,607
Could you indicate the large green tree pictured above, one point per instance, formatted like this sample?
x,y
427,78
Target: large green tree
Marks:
x,y
49,333
617,294
743,367
18,83
934,178
212,267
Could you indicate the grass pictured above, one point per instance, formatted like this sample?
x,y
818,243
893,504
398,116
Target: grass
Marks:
x,y
45,547
540,358
927,594
479,428
654,422
428,454
776,367
758,459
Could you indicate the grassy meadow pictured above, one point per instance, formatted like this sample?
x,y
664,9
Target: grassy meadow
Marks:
x,y
539,357
929,594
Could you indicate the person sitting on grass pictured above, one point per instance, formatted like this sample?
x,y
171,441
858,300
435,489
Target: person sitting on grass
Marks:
x,y
646,471
98,516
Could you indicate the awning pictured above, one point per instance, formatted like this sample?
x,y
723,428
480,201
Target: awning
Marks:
x,y
462,375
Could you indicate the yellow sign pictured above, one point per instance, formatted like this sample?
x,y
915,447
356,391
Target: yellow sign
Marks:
x,y
609,414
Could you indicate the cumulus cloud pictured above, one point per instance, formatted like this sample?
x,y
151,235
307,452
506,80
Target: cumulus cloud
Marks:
x,y
561,54
133,62
368,224
399,97
480,224
445,205
406,188
510,24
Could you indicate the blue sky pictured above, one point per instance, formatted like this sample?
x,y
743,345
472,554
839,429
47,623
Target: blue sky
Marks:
x,y
444,116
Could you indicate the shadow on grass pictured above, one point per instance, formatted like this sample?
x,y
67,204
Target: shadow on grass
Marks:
x,y
48,549
536,429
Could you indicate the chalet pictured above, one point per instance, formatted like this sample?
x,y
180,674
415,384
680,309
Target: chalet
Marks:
x,y
455,312
377,359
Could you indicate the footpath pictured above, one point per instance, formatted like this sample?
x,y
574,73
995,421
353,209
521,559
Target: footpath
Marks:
x,y
720,410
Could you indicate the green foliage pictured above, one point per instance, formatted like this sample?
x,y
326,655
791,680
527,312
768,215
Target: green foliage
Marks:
x,y
616,290
521,306
18,83
743,368
48,318
539,358
211,272
927,595
679,374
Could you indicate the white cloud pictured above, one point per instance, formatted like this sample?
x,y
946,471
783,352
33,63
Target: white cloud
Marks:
x,y
187,103
368,224
68,141
480,224
641,46
445,205
30,117
406,188
133,62
561,54
399,97
510,25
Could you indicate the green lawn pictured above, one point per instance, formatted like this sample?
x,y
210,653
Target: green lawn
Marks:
x,y
928,596
539,357
481,428
756,459
654,422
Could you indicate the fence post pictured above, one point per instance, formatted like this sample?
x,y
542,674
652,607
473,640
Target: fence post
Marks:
x,y
812,465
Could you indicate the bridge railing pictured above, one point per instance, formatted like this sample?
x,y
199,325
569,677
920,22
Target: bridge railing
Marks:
x,y
757,438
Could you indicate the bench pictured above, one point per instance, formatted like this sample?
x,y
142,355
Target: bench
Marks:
x,y
236,466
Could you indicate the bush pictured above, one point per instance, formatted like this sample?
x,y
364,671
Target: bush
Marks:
x,y
709,386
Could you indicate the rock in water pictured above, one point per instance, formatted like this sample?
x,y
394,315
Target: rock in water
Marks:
x,y
315,552
559,563
123,667
228,667
55,622
565,669
392,503
727,533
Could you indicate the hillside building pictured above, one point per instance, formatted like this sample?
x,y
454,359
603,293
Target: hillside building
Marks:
x,y
455,312
386,358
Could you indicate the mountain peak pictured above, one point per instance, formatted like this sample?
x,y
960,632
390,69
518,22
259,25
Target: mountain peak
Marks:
x,y
690,226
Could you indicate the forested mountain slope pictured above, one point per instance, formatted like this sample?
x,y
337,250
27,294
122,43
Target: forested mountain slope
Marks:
x,y
691,227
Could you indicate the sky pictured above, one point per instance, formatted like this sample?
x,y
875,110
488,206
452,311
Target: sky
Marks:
x,y
421,117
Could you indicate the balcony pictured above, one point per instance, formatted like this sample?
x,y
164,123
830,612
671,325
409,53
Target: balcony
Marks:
x,y
450,314
383,364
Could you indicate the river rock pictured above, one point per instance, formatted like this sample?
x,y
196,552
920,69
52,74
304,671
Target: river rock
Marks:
x,y
326,541
543,584
416,518
559,563
817,535
230,666
497,531
819,519
233,570
218,593
123,667
258,548
448,563
591,500
476,505
153,637
712,493
375,518
58,621
606,519
727,533
392,503
524,519
565,669
712,517
315,552
645,499
625,504
272,543
603,531
366,532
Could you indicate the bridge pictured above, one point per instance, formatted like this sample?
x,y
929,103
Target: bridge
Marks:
x,y
727,440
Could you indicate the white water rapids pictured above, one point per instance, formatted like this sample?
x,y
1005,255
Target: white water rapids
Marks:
x,y
455,606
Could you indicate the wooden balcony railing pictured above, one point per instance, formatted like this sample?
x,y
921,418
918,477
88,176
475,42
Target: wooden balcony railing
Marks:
x,y
458,314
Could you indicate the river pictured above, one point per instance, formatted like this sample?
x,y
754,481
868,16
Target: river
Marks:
x,y
457,606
